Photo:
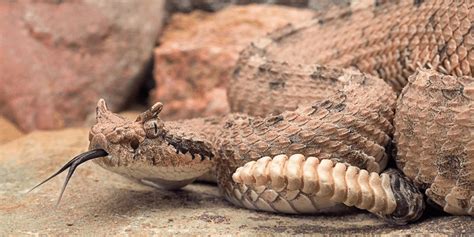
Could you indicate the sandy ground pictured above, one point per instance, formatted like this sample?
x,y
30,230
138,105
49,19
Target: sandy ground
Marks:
x,y
101,203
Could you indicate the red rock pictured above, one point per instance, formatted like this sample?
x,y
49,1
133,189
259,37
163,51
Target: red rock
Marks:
x,y
57,58
198,51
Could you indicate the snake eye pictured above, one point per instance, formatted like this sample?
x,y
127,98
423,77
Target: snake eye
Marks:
x,y
153,128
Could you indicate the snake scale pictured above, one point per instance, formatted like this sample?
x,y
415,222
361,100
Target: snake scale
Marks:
x,y
312,124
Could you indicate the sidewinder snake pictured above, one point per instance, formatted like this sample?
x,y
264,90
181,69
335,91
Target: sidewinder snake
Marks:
x,y
311,126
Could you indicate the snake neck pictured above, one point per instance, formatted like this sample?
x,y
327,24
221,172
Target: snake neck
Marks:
x,y
194,136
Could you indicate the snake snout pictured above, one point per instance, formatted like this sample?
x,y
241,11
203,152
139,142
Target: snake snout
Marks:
x,y
114,133
97,141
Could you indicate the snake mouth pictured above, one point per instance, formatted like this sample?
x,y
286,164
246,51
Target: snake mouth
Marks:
x,y
72,165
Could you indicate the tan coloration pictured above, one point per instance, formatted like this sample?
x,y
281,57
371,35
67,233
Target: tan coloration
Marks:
x,y
338,127
198,50
339,116
135,149
209,177
317,180
101,203
434,136
8,131
390,41
350,127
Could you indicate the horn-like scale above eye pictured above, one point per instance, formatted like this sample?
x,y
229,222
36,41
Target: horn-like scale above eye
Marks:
x,y
151,113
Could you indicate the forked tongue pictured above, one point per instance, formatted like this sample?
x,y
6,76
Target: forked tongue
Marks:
x,y
72,165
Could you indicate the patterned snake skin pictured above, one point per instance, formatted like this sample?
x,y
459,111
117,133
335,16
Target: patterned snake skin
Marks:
x,y
434,120
307,138
434,135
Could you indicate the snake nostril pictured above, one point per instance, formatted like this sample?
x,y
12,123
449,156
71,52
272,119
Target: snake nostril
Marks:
x,y
134,143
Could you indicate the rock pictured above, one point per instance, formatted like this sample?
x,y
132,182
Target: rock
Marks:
x,y
58,58
8,131
198,51
98,202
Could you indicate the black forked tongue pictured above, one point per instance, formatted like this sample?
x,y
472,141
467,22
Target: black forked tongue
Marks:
x,y
72,165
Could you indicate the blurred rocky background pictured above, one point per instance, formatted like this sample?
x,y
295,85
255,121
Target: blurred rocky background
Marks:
x,y
197,52
58,57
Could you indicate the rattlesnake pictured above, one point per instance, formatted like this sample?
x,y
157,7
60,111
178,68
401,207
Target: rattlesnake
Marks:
x,y
307,138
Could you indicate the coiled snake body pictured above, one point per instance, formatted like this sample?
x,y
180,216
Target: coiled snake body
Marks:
x,y
307,138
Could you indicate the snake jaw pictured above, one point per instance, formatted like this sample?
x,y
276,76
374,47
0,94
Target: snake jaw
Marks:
x,y
146,149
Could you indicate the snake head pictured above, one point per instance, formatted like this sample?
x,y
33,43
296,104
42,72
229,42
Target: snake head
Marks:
x,y
142,150
126,142
115,134
145,149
